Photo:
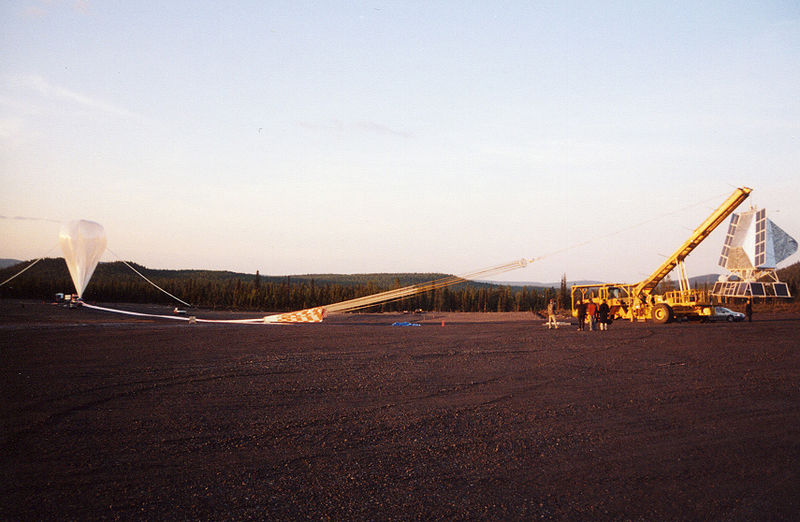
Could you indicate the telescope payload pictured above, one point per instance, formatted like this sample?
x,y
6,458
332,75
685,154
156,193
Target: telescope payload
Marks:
x,y
753,248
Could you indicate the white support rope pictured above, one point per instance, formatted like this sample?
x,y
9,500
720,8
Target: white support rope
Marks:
x,y
27,267
152,283
189,319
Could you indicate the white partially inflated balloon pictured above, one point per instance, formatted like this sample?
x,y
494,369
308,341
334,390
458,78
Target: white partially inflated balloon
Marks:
x,y
83,242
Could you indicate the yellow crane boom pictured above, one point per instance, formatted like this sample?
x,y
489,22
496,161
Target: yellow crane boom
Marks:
x,y
647,285
637,301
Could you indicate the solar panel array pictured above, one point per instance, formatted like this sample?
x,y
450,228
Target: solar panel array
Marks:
x,y
761,237
726,248
750,289
731,289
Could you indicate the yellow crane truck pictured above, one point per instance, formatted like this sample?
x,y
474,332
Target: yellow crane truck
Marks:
x,y
638,302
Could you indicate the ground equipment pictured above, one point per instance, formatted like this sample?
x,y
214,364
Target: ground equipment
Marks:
x,y
640,302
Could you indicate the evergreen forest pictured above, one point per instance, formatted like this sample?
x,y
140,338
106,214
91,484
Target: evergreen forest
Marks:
x,y
221,290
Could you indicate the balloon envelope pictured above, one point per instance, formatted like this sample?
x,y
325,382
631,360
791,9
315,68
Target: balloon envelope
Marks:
x,y
83,242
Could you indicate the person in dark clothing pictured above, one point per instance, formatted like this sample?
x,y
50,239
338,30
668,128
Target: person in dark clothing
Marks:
x,y
602,315
748,310
581,314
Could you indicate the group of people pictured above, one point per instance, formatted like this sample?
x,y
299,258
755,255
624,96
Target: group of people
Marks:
x,y
592,314
589,313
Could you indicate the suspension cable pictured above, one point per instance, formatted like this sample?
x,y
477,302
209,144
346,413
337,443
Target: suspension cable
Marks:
x,y
27,267
149,281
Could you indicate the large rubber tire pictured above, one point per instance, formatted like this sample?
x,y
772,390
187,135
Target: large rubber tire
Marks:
x,y
662,313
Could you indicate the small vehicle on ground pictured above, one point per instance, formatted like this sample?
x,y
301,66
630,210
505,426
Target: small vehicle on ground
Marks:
x,y
725,314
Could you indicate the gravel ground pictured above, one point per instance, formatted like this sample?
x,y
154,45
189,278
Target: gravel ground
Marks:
x,y
469,416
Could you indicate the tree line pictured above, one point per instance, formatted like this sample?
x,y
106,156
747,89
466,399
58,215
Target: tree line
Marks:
x,y
221,290
116,283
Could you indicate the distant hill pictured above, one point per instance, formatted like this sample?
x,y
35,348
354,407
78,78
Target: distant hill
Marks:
x,y
708,278
118,269
219,289
533,284
5,263
701,280
791,275
56,268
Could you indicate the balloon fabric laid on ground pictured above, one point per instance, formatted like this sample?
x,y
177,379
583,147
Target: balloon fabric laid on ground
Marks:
x,y
83,243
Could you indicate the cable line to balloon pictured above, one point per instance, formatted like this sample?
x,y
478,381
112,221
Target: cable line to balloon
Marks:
x,y
29,266
402,293
317,314
408,291
149,281
628,228
189,319
84,241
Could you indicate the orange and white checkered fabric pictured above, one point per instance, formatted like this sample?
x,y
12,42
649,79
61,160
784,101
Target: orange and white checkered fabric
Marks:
x,y
309,315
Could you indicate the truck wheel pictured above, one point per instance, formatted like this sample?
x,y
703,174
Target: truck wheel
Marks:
x,y
662,313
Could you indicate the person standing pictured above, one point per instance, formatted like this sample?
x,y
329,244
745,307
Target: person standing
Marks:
x,y
602,315
748,310
591,312
551,315
581,314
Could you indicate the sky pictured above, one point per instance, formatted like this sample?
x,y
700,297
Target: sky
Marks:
x,y
353,137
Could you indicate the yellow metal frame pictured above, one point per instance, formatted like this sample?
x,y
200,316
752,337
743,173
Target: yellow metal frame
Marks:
x,y
638,302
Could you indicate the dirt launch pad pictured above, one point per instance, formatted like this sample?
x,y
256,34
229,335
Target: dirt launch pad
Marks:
x,y
489,416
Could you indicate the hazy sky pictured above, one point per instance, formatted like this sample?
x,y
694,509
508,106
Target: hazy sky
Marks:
x,y
307,137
